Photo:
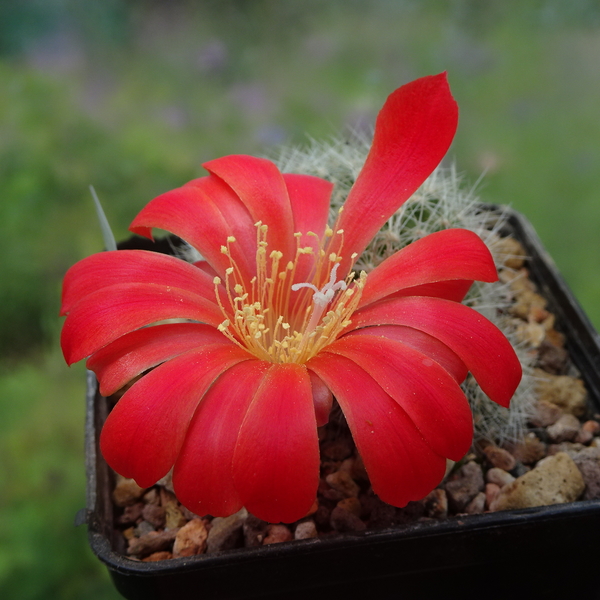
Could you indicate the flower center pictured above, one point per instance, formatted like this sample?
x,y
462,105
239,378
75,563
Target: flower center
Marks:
x,y
278,320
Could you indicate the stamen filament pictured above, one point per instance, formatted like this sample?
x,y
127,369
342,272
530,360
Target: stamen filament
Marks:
x,y
267,321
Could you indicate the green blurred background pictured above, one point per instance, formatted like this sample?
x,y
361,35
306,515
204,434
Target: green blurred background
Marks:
x,y
132,96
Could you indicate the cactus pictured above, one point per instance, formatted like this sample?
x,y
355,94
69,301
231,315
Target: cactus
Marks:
x,y
442,202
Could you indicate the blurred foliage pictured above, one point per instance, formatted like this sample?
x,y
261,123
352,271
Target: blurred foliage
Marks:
x,y
43,486
132,96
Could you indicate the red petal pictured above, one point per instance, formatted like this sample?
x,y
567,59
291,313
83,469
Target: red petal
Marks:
x,y
322,399
309,197
276,461
400,464
105,315
132,354
190,214
204,266
202,477
144,432
454,290
131,266
480,344
422,342
237,217
261,187
413,131
446,255
425,390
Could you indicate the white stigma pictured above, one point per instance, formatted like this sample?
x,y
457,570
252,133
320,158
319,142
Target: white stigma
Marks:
x,y
322,297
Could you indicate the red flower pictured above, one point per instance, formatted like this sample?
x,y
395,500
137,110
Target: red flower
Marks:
x,y
276,324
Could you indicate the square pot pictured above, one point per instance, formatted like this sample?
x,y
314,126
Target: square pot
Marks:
x,y
546,552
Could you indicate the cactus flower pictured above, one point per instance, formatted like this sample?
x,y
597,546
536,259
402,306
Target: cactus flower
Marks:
x,y
243,351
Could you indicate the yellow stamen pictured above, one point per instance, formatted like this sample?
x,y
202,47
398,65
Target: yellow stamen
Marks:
x,y
278,320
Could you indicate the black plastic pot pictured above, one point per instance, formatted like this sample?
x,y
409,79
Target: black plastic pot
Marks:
x,y
547,552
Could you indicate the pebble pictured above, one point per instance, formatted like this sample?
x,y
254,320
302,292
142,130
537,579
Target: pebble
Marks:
x,y
436,504
541,315
500,458
351,504
518,280
563,390
545,414
531,333
468,482
359,473
588,462
410,513
337,450
380,514
512,249
525,301
552,359
167,497
322,517
499,476
565,429
592,426
326,492
587,431
477,505
255,531
151,496
164,555
142,528
584,437
131,514
555,338
491,493
151,542
226,532
305,530
348,466
277,533
328,467
571,448
344,521
174,517
341,482
555,480
154,514
126,492
191,539
530,450
520,469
